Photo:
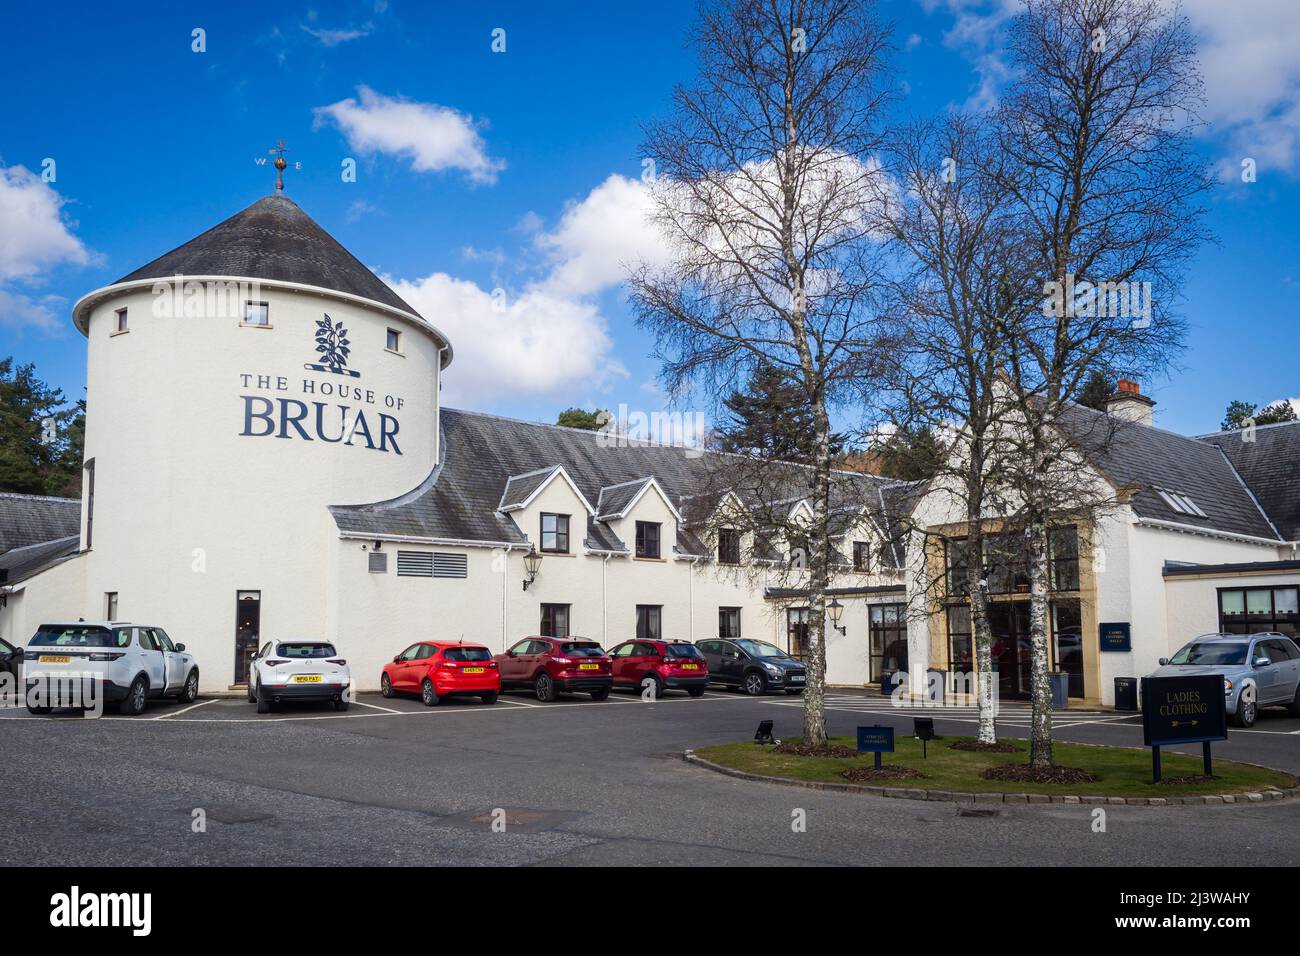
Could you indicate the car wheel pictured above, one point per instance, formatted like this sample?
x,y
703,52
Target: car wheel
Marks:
x,y
755,684
488,698
1247,709
385,687
190,692
132,704
652,684
695,691
544,687
600,694
341,703
263,702
428,694
794,690
252,694
1294,708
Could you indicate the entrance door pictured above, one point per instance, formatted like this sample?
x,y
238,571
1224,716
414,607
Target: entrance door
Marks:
x,y
888,639
248,628
1011,649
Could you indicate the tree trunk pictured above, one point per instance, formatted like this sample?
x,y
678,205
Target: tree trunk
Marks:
x,y
1040,741
981,632
814,695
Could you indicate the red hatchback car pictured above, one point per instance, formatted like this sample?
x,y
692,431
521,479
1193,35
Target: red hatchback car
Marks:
x,y
556,665
438,669
666,665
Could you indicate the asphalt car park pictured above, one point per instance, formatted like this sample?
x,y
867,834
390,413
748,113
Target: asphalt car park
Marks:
x,y
575,781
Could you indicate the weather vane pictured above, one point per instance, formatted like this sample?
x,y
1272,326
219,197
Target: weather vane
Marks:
x,y
280,164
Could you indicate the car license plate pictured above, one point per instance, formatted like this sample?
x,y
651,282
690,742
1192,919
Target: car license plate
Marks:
x,y
473,670
54,659
588,667
797,679
690,667
308,679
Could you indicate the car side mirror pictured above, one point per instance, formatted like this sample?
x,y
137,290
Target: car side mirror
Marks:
x,y
397,659
1163,661
1262,661
510,653
180,647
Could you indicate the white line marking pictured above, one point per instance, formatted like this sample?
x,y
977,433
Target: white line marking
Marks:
x,y
186,710
511,700
387,710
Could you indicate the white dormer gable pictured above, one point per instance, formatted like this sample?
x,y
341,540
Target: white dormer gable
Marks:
x,y
522,491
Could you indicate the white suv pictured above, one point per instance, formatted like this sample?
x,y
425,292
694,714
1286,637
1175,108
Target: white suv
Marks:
x,y
83,663
298,670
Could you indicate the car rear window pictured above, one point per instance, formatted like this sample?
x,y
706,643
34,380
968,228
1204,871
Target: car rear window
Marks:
x,y
305,650
1208,652
582,650
47,636
466,654
683,650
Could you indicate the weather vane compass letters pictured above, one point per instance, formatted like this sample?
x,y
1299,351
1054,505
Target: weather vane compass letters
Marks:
x,y
280,163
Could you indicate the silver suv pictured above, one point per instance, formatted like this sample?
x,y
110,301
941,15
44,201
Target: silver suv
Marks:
x,y
1259,670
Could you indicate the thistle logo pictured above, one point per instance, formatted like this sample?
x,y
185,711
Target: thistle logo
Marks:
x,y
332,343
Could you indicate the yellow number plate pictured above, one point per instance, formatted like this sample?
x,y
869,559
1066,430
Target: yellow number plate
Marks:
x,y
690,667
473,670
54,659
588,667
307,679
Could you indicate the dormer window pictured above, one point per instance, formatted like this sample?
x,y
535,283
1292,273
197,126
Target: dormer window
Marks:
x,y
728,546
120,322
555,533
257,315
647,539
861,556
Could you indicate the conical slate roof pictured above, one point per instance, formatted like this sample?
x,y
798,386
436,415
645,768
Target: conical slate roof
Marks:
x,y
272,239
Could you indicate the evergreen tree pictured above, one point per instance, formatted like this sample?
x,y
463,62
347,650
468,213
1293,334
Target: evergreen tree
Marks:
x,y
910,454
1237,412
41,436
1095,391
772,419
579,418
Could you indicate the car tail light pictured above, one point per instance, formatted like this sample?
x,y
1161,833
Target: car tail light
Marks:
x,y
106,657
451,665
492,664
338,660
275,663
561,660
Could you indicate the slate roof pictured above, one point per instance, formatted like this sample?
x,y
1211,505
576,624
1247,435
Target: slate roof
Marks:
x,y
34,519
483,455
1270,466
22,563
273,239
519,488
1152,458
614,499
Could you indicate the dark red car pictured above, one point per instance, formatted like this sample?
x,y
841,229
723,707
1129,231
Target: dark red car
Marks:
x,y
438,669
666,665
556,665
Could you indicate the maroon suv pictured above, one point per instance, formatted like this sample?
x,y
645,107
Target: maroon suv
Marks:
x,y
664,665
556,665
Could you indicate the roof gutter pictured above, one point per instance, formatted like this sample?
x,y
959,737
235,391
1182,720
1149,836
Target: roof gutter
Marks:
x,y
416,539
1212,533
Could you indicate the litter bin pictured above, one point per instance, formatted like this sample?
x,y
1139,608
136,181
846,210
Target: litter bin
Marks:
x,y
1060,684
887,683
1126,693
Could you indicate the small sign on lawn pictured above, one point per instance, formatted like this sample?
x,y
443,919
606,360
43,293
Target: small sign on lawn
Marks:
x,y
876,740
1183,710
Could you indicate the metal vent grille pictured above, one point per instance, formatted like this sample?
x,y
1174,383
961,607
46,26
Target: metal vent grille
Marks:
x,y
414,564
450,565
378,562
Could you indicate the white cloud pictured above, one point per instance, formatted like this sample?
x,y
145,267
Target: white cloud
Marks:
x,y
434,138
22,311
335,37
34,237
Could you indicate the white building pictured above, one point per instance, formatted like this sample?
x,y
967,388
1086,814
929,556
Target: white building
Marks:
x,y
266,457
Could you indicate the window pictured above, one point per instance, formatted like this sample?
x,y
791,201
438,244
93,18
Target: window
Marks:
x,y
796,630
1067,632
120,322
377,563
164,641
728,546
555,533
1181,503
729,622
961,647
308,650
887,639
257,314
394,341
555,620
1063,559
414,564
861,556
647,539
90,502
411,653
1006,564
1252,610
110,606
466,654
648,618
957,558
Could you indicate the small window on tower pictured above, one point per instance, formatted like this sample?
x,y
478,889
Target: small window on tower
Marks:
x,y
120,324
394,340
257,314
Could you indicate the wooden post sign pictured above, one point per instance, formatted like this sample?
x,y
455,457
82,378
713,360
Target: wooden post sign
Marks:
x,y
1183,710
876,740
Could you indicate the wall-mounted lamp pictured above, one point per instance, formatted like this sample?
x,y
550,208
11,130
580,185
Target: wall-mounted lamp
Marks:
x,y
379,545
836,610
532,562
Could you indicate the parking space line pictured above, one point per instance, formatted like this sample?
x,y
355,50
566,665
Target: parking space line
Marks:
x,y
520,703
186,710
387,710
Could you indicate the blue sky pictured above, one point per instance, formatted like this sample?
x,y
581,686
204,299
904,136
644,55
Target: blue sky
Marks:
x,y
517,170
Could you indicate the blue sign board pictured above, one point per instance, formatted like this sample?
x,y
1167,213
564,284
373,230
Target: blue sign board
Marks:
x,y
1183,710
1116,637
875,740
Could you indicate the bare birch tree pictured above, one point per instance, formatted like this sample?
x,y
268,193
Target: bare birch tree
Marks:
x,y
765,191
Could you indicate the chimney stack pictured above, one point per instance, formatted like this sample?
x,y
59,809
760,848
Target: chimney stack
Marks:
x,y
1128,404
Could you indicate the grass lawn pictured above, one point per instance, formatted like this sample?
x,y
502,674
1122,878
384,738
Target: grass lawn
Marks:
x,y
1121,772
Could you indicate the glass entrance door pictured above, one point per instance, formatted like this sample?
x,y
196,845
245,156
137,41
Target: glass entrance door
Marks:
x,y
888,639
248,625
1009,621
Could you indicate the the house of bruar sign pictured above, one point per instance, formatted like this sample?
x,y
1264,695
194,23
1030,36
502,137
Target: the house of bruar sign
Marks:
x,y
331,409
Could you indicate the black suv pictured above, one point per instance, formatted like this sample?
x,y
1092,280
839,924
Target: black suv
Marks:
x,y
755,667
